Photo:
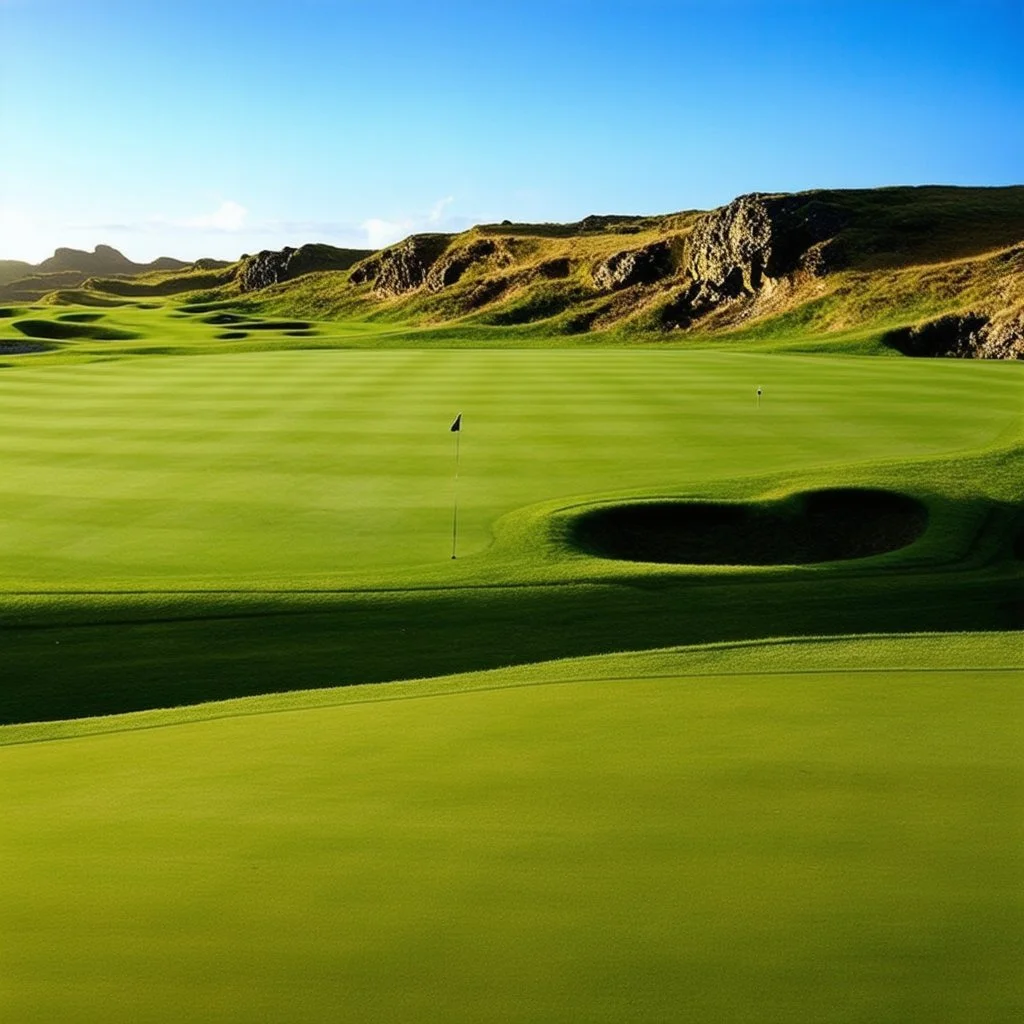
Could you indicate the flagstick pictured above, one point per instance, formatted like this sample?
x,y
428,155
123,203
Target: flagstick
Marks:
x,y
455,494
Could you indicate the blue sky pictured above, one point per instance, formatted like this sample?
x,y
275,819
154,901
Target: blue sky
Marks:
x,y
217,127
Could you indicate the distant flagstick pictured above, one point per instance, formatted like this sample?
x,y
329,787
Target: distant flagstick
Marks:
x,y
456,429
759,398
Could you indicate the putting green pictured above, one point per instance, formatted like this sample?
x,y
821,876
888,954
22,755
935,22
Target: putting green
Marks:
x,y
274,465
699,837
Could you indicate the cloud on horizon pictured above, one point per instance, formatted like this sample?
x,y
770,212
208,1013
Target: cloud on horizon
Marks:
x,y
224,232
229,216
381,232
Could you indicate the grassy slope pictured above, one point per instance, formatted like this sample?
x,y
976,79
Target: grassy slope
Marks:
x,y
912,254
680,835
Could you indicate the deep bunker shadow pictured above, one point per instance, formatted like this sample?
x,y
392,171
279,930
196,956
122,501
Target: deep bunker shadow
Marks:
x,y
819,526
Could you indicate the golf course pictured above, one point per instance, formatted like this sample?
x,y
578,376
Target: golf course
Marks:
x,y
512,513
271,753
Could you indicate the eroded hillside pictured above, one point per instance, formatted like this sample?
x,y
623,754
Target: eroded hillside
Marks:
x,y
925,271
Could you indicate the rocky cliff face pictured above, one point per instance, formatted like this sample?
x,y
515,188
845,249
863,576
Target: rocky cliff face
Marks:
x,y
964,336
1005,337
403,267
761,256
264,269
759,238
449,269
635,266
270,267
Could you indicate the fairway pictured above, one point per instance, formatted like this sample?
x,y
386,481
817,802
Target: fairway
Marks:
x,y
677,836
183,529
228,545
257,467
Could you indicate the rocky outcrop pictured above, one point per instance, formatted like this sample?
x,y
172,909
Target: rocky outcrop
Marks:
x,y
758,238
595,223
264,269
824,257
1005,338
450,267
635,266
271,267
963,336
697,299
402,268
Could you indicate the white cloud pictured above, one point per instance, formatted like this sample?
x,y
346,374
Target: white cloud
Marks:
x,y
437,210
381,232
226,230
229,216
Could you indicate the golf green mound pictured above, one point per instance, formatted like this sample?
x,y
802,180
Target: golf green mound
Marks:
x,y
81,318
193,308
223,318
279,325
818,526
58,330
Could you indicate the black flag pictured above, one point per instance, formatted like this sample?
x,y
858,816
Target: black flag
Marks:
x,y
457,425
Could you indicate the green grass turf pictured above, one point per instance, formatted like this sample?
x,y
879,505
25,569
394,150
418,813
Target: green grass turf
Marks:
x,y
287,464
791,832
788,831
276,520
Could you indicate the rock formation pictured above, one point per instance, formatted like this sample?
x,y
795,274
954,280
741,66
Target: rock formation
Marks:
x,y
758,238
401,268
964,336
1005,337
697,299
271,267
635,266
447,270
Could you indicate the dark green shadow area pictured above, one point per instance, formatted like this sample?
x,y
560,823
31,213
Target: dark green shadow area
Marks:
x,y
820,526
211,648
65,330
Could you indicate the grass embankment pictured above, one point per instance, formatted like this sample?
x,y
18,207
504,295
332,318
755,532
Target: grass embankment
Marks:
x,y
676,835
